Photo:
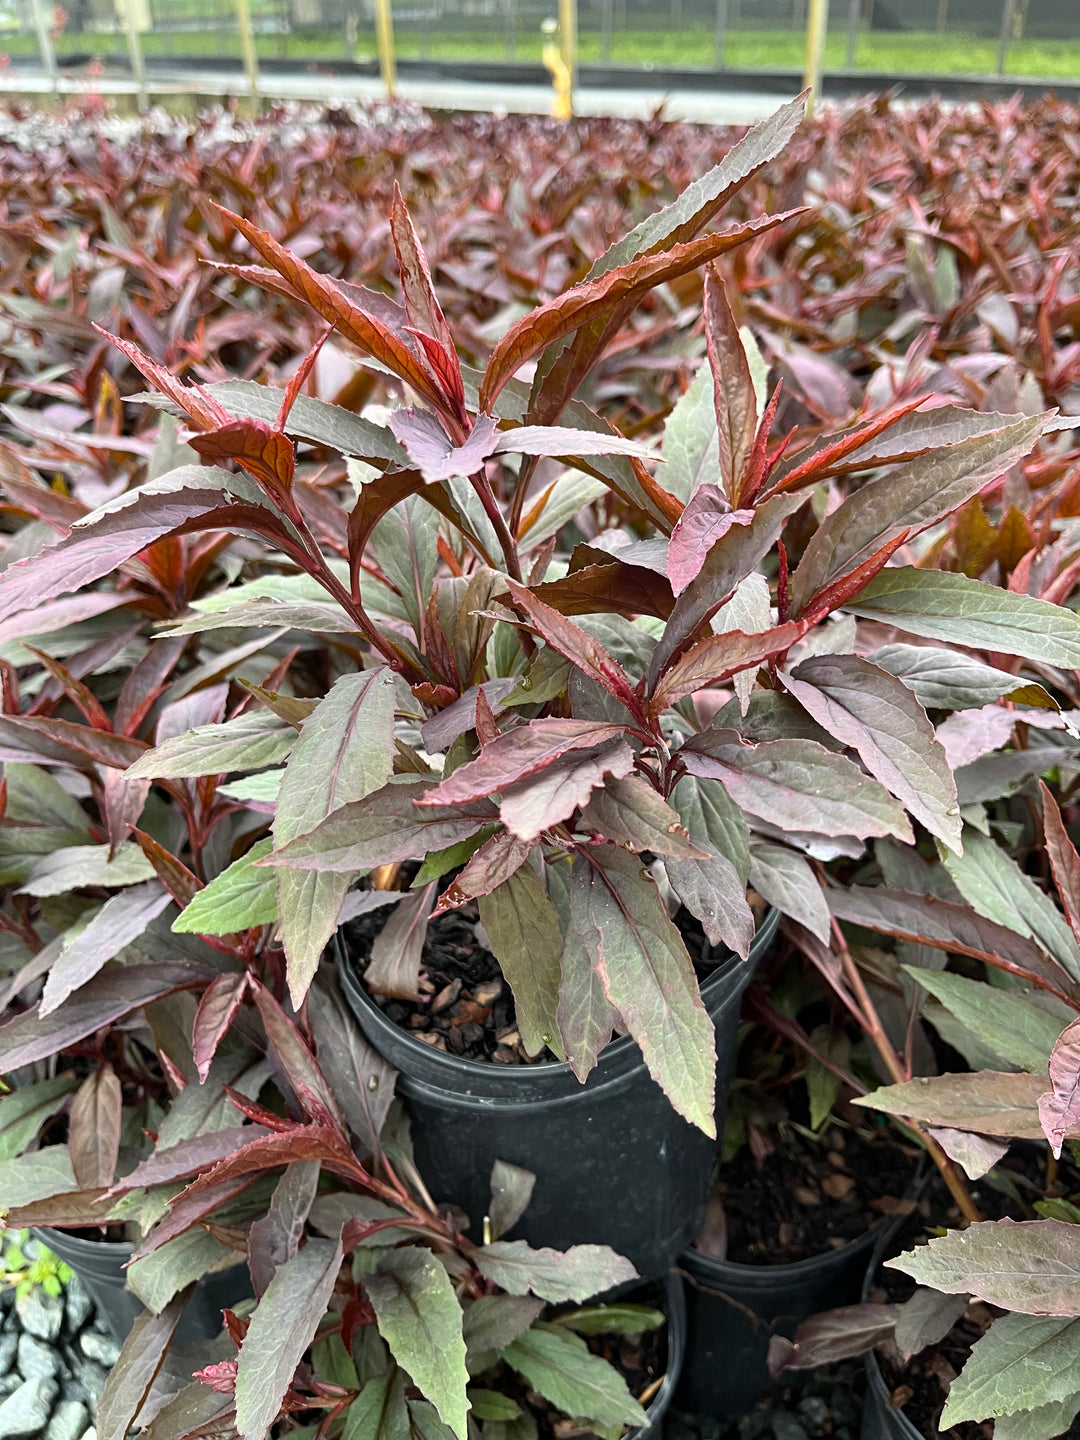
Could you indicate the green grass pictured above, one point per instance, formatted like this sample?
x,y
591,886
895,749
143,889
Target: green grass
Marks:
x,y
894,54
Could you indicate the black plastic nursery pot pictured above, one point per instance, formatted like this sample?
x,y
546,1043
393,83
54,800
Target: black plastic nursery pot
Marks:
x,y
882,1421
99,1264
614,1164
658,1406
733,1310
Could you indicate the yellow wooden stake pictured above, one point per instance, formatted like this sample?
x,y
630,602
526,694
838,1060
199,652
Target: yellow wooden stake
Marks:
x,y
817,24
247,45
384,39
568,40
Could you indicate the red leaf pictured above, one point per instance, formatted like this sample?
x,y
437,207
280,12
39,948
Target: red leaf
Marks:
x,y
220,1376
1064,861
848,586
181,884
267,455
199,407
179,1218
68,742
348,319
221,1000
580,648
707,518
592,299
1059,1108
817,466
302,1142
297,1063
716,659
733,389
612,587
517,754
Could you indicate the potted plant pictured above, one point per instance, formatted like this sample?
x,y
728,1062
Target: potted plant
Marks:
x,y
805,1189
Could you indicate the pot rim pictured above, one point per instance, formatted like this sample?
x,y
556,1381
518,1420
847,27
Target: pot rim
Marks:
x,y
675,1308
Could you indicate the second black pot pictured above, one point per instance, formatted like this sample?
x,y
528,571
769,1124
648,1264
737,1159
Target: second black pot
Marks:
x,y
99,1264
733,1311
614,1164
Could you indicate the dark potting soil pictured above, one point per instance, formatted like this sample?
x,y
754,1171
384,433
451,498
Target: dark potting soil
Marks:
x,y
807,1197
920,1388
466,1008
819,1404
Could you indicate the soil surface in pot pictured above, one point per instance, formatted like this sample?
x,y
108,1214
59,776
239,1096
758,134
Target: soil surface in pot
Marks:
x,y
1008,1191
466,1007
823,1404
808,1196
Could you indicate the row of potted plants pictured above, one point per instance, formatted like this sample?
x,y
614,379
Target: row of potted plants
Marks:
x,y
416,769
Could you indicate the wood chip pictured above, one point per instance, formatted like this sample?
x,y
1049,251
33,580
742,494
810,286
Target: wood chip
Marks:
x,y
446,996
806,1195
838,1187
890,1205
431,1039
488,992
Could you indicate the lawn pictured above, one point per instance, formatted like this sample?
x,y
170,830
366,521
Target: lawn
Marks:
x,y
896,54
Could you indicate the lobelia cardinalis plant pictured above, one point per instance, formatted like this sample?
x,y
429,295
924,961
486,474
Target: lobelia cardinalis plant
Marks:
x,y
526,712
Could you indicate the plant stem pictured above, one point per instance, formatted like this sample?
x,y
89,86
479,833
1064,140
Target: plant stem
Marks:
x,y
871,1023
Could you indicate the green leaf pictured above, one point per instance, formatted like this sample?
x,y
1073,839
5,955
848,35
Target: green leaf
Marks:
x,y
714,890
580,1384
944,606
690,444
379,1412
87,948
796,785
37,1176
419,1317
490,1405
630,812
871,711
345,751
1031,1266
404,542
441,862
909,498
282,1327
989,1102
786,880
309,419
555,1275
614,1319
951,680
993,884
157,1277
525,937
495,1321
24,1111
646,974
1021,1033
249,742
511,1191
1043,1423
240,898
1021,1363
822,1085
136,1369
383,827
79,865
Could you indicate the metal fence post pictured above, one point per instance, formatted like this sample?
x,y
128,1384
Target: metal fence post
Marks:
x,y
384,39
720,42
854,14
1008,12
607,21
817,23
45,46
568,40
247,45
134,44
